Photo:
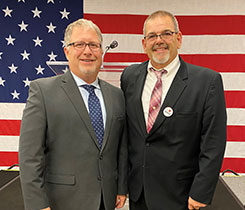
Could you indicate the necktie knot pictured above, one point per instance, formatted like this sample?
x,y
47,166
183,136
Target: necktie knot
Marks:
x,y
89,88
158,73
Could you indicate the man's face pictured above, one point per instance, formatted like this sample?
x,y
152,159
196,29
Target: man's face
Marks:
x,y
84,62
161,50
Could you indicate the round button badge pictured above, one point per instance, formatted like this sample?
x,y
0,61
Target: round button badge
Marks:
x,y
168,112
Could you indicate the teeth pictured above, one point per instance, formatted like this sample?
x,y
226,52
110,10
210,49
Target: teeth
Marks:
x,y
87,60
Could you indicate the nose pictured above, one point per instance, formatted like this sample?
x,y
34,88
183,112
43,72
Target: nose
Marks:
x,y
87,50
159,38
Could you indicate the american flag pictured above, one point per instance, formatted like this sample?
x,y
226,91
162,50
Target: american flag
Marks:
x,y
213,36
31,34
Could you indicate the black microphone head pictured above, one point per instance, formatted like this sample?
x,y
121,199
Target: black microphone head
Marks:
x,y
114,44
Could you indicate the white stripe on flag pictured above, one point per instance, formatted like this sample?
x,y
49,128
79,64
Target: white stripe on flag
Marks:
x,y
9,143
236,116
203,44
183,7
235,150
234,81
11,111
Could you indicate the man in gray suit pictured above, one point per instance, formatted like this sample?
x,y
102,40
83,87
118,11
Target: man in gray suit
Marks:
x,y
73,149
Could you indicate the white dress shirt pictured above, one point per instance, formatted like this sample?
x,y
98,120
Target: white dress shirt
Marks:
x,y
151,79
85,94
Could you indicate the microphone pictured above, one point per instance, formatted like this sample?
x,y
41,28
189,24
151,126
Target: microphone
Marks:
x,y
113,45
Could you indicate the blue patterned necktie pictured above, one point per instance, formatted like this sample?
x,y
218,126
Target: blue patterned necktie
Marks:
x,y
95,113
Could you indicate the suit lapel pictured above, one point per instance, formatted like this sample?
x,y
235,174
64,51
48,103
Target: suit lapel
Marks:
x,y
139,85
73,93
177,87
106,92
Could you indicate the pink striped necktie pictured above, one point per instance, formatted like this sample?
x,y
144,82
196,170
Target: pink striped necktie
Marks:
x,y
156,97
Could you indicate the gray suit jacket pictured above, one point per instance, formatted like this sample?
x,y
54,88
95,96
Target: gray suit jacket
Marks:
x,y
61,165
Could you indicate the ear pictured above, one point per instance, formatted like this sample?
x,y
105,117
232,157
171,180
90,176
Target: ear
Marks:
x,y
144,44
66,51
179,40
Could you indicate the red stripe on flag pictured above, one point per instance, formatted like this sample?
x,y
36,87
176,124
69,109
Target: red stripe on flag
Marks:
x,y
235,164
217,62
189,25
235,133
8,158
120,23
10,127
217,24
235,99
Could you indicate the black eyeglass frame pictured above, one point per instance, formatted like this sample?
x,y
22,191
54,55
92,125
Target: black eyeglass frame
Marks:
x,y
167,33
92,45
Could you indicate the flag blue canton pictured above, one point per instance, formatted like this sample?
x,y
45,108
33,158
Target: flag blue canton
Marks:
x,y
32,33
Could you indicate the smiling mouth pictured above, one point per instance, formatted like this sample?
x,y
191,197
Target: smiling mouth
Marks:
x,y
160,47
87,60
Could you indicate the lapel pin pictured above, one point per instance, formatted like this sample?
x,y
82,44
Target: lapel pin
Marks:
x,y
168,112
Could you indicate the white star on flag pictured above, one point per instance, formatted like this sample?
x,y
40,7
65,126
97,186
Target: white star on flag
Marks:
x,y
10,40
64,14
52,56
51,28
66,69
38,42
7,12
1,55
2,81
27,82
15,94
52,1
25,55
13,68
39,69
63,43
23,26
36,13
21,0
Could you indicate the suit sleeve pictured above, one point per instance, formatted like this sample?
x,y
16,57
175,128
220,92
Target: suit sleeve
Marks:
x,y
212,145
123,160
32,150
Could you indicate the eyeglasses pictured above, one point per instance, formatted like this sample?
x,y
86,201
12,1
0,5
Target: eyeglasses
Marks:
x,y
82,45
166,35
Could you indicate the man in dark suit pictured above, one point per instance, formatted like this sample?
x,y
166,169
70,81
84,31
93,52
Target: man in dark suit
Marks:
x,y
176,119
71,155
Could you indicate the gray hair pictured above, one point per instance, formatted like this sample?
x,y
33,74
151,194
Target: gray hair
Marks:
x,y
81,23
161,13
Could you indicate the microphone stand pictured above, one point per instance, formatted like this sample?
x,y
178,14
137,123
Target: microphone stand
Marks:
x,y
107,48
113,45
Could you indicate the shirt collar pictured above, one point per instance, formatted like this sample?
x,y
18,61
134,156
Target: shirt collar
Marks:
x,y
81,82
173,66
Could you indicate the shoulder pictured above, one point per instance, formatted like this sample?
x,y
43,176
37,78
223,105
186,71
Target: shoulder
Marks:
x,y
198,73
110,87
135,68
46,80
200,70
132,72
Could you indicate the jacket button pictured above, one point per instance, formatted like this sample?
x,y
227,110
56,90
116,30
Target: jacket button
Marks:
x,y
99,178
147,144
101,157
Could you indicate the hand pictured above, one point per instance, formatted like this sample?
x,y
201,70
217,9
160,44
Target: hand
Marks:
x,y
121,199
192,204
46,209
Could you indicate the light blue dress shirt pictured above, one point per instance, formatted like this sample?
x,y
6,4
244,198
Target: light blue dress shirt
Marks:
x,y
85,94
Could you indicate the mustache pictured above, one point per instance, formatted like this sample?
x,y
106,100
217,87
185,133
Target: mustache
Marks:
x,y
160,45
